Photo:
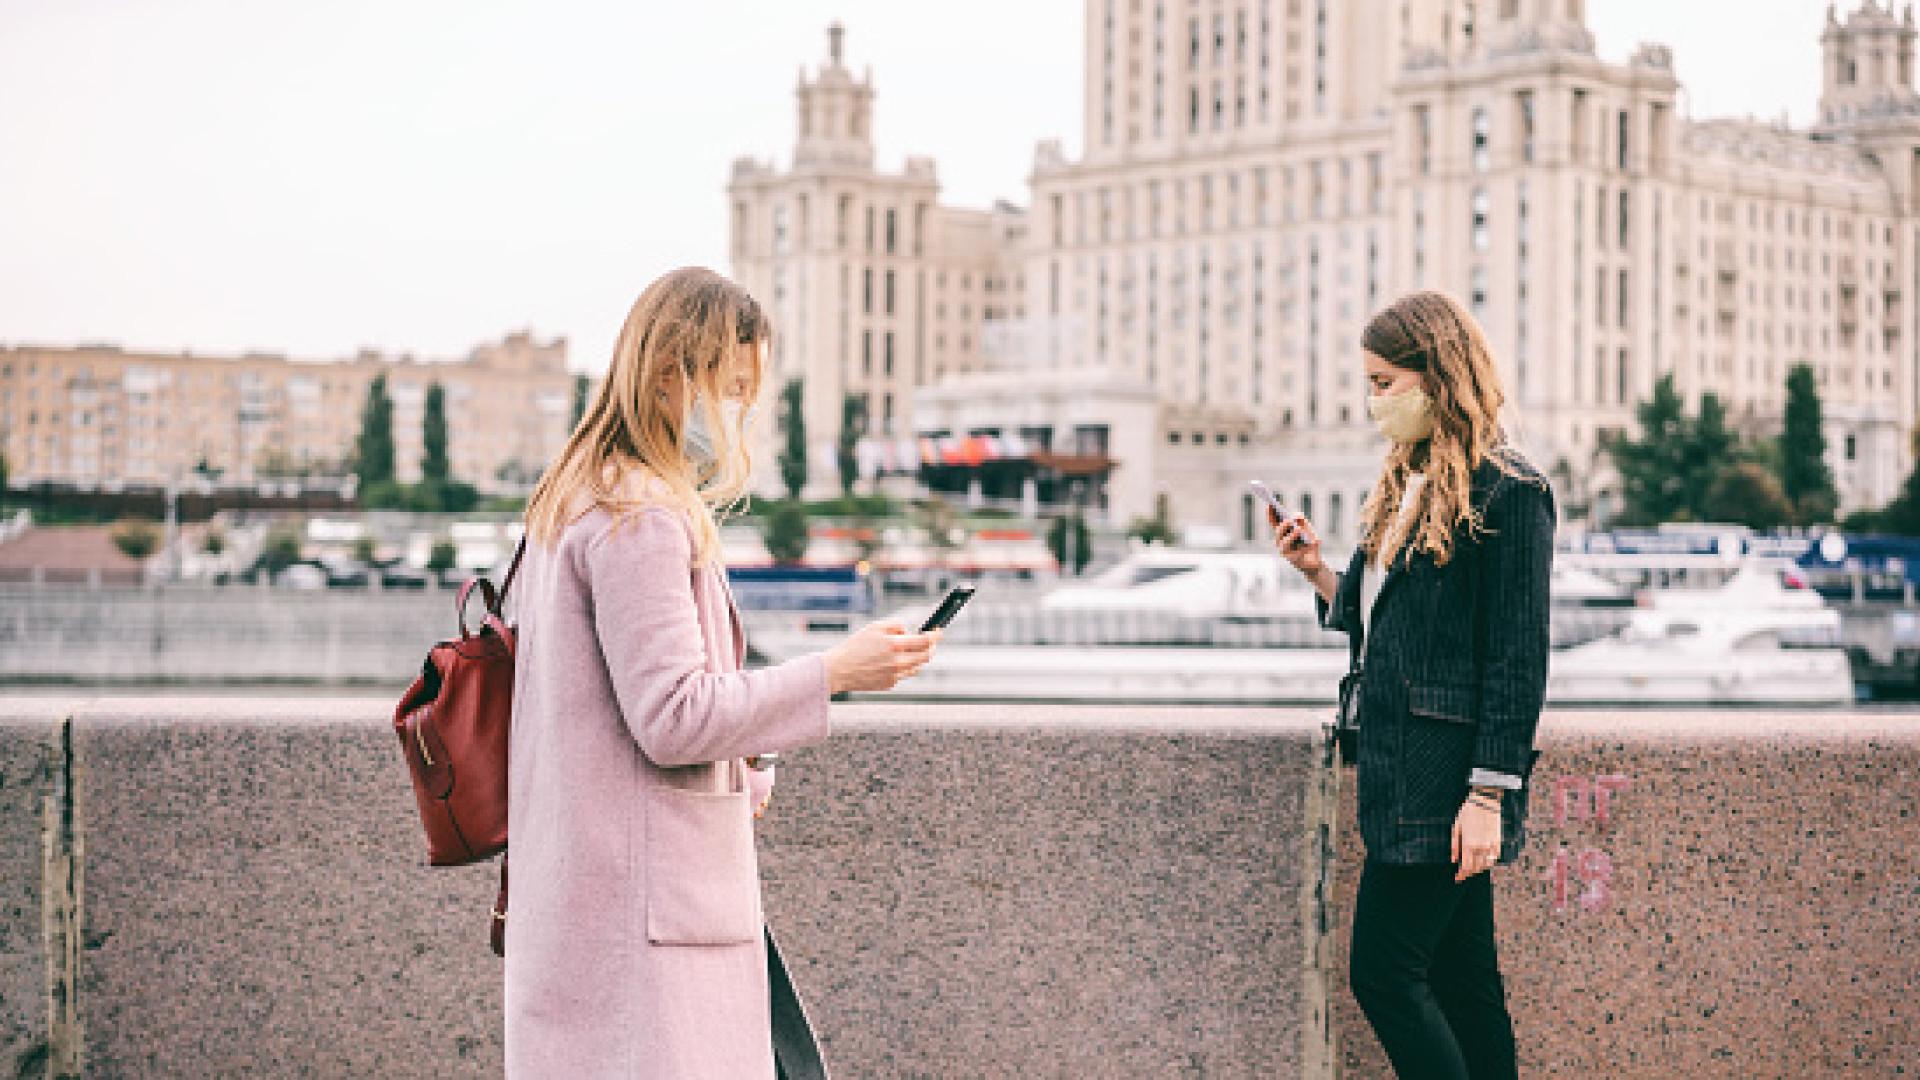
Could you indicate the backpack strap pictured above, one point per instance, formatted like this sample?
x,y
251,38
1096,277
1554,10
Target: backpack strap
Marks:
x,y
512,569
497,933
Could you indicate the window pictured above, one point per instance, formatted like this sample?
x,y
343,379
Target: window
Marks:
x,y
1423,144
891,247
1527,125
1621,221
1481,131
1481,207
1622,139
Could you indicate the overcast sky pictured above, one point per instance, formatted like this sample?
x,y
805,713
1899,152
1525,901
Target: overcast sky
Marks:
x,y
421,175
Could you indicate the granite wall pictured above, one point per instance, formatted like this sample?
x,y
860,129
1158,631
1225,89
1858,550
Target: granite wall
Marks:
x,y
1706,895
960,892
235,886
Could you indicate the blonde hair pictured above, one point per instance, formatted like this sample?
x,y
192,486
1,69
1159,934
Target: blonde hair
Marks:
x,y
628,450
1433,334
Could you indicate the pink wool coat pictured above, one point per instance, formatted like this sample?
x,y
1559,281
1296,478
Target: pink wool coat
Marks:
x,y
634,944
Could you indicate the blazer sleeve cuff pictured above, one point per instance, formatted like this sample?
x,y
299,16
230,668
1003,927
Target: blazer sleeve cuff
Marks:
x,y
1494,755
1328,614
1494,778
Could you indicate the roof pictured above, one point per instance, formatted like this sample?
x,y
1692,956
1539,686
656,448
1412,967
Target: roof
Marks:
x,y
67,553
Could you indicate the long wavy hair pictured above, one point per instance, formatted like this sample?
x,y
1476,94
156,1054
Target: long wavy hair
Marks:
x,y
628,450
1431,333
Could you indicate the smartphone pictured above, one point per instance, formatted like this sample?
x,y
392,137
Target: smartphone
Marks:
x,y
949,607
1267,496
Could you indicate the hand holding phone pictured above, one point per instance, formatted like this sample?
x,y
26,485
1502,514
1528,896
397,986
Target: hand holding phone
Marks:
x,y
950,606
1294,535
1281,515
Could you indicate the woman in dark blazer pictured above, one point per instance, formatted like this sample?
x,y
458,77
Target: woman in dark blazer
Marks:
x,y
1445,602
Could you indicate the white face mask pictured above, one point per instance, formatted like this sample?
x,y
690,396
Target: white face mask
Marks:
x,y
698,441
1405,417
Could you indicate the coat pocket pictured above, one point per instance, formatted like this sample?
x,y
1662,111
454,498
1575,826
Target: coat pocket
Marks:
x,y
703,881
1436,751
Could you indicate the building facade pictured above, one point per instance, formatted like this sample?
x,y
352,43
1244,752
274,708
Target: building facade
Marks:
x,y
99,416
875,288
1260,176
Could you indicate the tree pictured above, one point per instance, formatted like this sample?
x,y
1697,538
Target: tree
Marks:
x,y
1655,469
1747,493
214,542
363,549
793,456
581,384
1071,543
1157,529
373,450
280,549
441,556
853,427
3,473
1804,473
136,538
785,532
1710,446
434,469
437,490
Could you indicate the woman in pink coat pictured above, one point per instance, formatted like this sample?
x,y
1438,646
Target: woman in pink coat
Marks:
x,y
635,945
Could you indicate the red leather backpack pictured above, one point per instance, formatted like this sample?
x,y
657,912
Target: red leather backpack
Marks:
x,y
453,724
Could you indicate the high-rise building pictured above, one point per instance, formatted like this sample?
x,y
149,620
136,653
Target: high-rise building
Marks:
x,y
1260,176
102,416
874,287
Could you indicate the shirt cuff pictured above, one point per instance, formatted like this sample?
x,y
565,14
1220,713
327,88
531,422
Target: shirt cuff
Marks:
x,y
1493,778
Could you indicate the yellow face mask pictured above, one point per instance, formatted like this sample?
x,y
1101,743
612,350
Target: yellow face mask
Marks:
x,y
1404,417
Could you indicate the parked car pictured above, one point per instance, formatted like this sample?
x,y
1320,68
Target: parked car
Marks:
x,y
344,573
401,576
304,576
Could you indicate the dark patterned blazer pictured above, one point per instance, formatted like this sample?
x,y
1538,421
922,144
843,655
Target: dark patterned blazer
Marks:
x,y
1455,671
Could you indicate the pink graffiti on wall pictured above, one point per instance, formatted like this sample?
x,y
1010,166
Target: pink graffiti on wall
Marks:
x,y
1584,878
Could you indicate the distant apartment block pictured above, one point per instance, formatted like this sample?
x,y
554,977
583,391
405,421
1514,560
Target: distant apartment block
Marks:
x,y
101,416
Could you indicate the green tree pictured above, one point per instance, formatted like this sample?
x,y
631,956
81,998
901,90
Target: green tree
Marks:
x,y
1747,493
281,549
434,468
441,555
1804,474
373,450
853,427
793,455
1071,543
214,542
785,532
581,384
1709,447
1655,468
136,538
363,547
3,473
1157,529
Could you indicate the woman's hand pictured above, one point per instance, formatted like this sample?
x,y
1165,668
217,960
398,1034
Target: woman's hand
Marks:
x,y
878,656
1298,542
1476,836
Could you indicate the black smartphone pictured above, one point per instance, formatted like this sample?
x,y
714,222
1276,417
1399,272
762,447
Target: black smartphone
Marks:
x,y
949,607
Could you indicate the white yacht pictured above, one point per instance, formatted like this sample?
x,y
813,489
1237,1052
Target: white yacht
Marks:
x,y
1192,583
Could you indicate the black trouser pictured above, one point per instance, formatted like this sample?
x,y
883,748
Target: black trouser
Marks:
x,y
1426,974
